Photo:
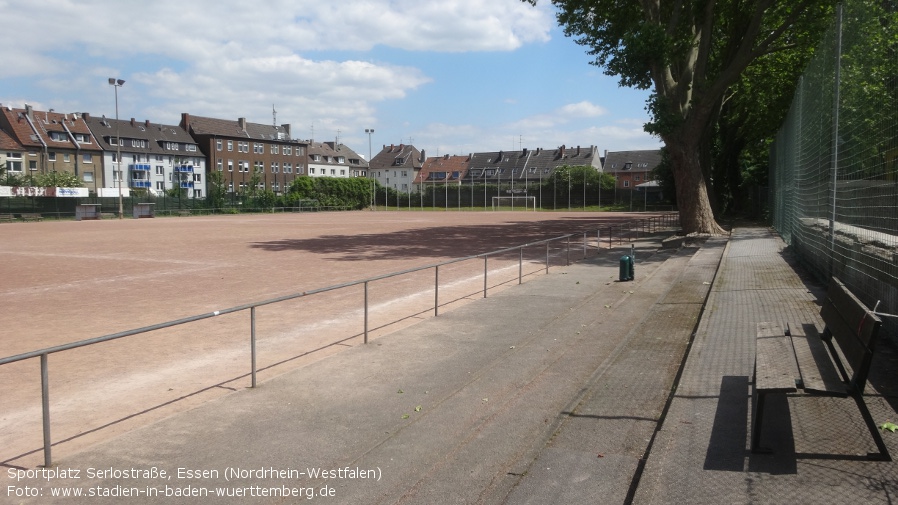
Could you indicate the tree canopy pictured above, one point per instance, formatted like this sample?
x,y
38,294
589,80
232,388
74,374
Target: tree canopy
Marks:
x,y
689,54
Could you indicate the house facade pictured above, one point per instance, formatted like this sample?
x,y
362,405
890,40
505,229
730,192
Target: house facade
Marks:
x,y
12,154
243,152
325,161
631,168
358,166
52,142
396,167
527,166
155,158
446,169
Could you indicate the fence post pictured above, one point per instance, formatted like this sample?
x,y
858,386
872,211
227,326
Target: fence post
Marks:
x,y
568,250
547,256
436,292
366,313
484,275
584,245
45,407
252,343
521,267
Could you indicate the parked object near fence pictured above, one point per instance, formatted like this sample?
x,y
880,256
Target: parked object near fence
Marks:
x,y
142,210
87,211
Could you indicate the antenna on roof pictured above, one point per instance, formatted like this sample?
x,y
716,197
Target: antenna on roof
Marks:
x,y
274,117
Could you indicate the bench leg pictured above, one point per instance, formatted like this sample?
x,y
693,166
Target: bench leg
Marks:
x,y
758,423
883,454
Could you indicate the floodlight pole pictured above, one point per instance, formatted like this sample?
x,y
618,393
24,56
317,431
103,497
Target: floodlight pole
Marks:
x,y
116,84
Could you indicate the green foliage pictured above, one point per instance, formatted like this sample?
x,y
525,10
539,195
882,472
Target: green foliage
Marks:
x,y
56,179
9,179
331,191
216,190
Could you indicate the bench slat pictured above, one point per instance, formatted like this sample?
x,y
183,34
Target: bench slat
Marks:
x,y
775,366
818,372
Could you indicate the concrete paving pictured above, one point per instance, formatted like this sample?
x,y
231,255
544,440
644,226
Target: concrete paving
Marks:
x,y
571,388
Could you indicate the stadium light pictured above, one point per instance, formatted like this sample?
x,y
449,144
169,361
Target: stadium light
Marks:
x,y
116,84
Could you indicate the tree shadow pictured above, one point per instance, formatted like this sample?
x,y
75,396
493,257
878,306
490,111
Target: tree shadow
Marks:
x,y
452,241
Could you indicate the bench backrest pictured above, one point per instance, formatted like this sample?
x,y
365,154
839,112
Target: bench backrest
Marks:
x,y
853,327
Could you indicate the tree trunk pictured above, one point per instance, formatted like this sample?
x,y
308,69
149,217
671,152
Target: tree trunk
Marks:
x,y
696,214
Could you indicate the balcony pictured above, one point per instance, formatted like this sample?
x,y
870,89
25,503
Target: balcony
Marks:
x,y
186,185
184,169
140,167
137,183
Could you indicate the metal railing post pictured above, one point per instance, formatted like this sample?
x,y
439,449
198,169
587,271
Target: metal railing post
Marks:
x,y
568,250
521,266
252,343
484,275
436,292
45,407
584,245
547,257
366,313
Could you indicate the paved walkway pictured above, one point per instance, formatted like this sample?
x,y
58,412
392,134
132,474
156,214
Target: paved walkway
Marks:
x,y
556,391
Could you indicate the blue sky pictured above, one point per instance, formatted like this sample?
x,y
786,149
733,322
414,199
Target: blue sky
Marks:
x,y
449,76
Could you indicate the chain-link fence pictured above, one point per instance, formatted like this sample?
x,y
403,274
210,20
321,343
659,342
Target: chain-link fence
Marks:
x,y
834,166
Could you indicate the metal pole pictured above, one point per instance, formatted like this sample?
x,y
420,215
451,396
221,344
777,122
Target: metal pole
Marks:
x,y
835,139
366,312
252,343
45,404
568,251
547,257
521,266
484,275
436,292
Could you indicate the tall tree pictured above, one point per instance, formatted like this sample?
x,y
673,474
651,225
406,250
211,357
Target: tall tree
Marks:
x,y
689,53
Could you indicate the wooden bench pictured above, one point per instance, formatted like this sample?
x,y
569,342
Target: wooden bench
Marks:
x,y
795,357
6,218
32,217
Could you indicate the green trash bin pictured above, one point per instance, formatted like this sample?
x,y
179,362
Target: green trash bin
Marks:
x,y
626,268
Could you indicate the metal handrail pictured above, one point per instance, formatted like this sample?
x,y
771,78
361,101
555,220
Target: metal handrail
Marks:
x,y
44,353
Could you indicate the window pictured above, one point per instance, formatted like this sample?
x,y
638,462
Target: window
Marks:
x,y
274,149
197,193
190,147
160,170
51,156
230,145
32,165
160,186
316,157
218,145
197,178
311,170
341,159
230,165
65,157
637,178
288,150
230,186
343,172
288,168
82,138
258,167
258,148
88,177
243,147
58,136
275,167
88,158
626,184
333,171
218,164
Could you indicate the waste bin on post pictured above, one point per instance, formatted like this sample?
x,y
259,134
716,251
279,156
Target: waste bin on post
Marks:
x,y
626,269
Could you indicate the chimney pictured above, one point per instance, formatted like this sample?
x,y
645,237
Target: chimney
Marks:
x,y
133,123
241,122
286,128
185,121
445,156
29,111
422,156
85,115
146,123
391,148
524,153
578,150
561,151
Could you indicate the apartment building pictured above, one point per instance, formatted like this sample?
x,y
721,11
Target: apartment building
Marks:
x,y
244,152
145,157
52,142
396,167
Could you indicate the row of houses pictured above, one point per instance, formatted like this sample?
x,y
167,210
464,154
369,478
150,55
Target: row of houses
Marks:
x,y
108,154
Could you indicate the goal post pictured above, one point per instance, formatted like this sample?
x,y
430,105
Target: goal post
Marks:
x,y
514,202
